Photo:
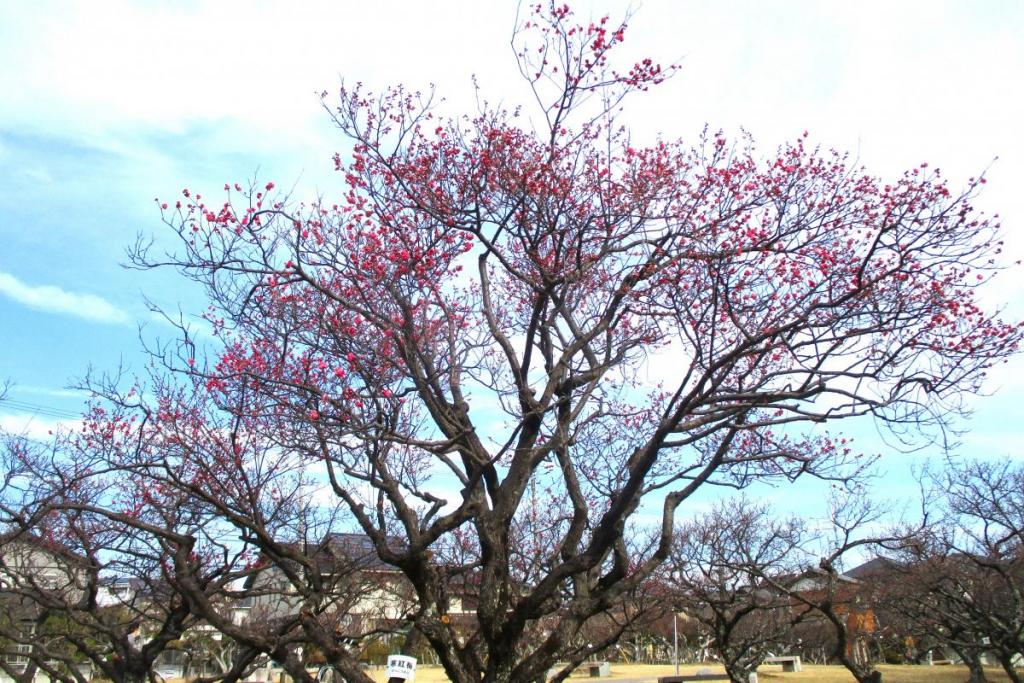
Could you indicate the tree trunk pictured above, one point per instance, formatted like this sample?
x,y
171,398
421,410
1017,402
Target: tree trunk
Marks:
x,y
412,639
1011,671
28,674
738,674
977,673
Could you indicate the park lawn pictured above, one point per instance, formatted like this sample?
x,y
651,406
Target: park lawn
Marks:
x,y
891,673
435,674
819,674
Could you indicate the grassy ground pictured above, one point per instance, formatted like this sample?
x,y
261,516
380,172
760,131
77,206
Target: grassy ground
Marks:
x,y
818,674
890,674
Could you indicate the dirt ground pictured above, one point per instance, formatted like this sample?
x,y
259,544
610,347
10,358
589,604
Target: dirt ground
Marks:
x,y
818,674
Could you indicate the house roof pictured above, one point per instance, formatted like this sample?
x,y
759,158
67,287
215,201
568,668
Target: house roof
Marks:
x,y
874,566
359,549
809,577
345,552
18,537
131,582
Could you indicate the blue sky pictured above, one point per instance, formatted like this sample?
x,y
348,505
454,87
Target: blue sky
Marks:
x,y
108,105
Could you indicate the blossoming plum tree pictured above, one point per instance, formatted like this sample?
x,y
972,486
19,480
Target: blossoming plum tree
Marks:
x,y
461,339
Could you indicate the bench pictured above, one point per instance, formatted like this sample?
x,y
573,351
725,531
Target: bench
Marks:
x,y
595,669
790,663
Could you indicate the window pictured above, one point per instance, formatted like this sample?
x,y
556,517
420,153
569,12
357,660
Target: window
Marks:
x,y
15,653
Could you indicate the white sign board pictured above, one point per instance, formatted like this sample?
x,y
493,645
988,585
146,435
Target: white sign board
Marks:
x,y
400,666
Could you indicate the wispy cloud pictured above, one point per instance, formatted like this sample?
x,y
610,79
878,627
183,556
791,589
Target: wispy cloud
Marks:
x,y
35,427
49,391
56,300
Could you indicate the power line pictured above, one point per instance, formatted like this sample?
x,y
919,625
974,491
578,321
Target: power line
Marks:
x,y
37,409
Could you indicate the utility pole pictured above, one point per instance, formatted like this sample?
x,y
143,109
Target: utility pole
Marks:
x,y
675,639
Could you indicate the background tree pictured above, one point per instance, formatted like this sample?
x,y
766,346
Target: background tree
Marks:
x,y
962,582
472,318
36,574
926,591
986,502
894,638
64,503
715,570
308,587
843,602
812,640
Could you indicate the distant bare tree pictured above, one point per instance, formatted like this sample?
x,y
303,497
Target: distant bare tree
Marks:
x,y
306,584
72,525
963,580
927,589
716,569
843,602
986,502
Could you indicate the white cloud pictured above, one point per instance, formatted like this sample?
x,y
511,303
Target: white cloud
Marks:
x,y
56,300
49,391
35,427
253,68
